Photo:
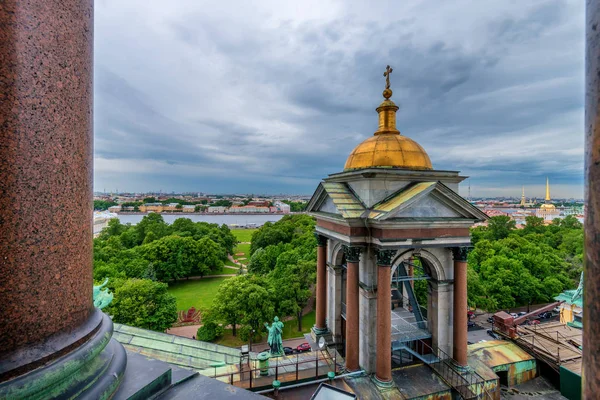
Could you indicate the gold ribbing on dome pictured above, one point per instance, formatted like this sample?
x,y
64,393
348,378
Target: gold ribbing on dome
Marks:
x,y
387,148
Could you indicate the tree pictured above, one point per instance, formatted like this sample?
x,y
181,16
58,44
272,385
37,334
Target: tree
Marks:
x,y
209,331
145,304
291,287
500,227
102,205
173,257
533,225
228,302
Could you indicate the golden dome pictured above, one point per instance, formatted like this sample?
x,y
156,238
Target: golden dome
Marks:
x,y
547,206
388,148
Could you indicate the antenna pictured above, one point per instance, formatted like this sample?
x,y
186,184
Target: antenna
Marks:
x,y
469,198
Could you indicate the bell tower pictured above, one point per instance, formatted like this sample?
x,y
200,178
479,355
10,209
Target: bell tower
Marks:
x,y
388,220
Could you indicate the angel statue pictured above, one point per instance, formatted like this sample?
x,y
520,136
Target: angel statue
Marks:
x,y
102,297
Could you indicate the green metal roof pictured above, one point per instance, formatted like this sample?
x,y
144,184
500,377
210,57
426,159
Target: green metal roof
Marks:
x,y
176,350
567,297
343,198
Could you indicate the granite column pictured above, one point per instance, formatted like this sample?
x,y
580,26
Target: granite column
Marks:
x,y
591,289
383,371
352,311
321,312
53,342
460,306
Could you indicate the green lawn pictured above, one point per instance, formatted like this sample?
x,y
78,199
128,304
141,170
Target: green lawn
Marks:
x,y
229,340
243,235
242,248
222,270
290,328
198,293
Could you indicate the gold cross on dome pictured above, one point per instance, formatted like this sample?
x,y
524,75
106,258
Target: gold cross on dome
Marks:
x,y
388,71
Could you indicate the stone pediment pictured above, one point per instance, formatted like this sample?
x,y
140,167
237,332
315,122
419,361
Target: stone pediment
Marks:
x,y
337,199
427,200
421,200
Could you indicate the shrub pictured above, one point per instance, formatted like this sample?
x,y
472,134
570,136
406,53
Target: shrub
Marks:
x,y
209,331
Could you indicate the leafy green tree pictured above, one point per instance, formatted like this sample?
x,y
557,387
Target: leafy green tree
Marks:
x,y
173,257
500,227
209,331
152,222
533,225
149,200
145,304
228,303
102,205
291,287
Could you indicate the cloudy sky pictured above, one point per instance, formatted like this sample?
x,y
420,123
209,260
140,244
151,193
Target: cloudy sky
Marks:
x,y
271,96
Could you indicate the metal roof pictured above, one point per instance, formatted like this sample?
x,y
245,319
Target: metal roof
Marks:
x,y
343,198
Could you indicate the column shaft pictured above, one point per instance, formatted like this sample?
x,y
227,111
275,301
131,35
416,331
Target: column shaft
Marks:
x,y
460,313
352,317
383,370
45,173
591,307
321,286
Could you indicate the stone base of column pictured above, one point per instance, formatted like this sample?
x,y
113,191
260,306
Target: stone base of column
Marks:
x,y
382,385
92,370
317,333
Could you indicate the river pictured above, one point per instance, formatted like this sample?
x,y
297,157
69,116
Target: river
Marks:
x,y
228,219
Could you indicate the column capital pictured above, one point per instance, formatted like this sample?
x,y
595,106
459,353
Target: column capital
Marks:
x,y
461,253
352,253
384,257
321,240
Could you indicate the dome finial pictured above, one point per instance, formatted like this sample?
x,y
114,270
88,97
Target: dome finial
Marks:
x,y
387,92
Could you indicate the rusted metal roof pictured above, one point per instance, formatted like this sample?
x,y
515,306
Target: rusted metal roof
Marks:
x,y
343,198
499,352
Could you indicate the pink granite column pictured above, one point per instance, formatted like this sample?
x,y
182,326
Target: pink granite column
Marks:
x,y
352,310
383,369
460,306
321,312
46,70
591,307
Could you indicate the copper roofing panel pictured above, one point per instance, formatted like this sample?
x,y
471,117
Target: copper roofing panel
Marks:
x,y
499,352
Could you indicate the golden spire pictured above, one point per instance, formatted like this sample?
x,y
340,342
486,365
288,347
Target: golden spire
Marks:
x,y
523,201
547,190
387,109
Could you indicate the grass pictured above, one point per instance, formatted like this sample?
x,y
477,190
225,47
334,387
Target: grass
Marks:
x,y
198,293
222,270
229,340
290,328
244,250
243,235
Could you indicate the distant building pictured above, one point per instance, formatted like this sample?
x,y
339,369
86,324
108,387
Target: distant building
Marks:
x,y
282,207
548,210
217,209
114,209
248,209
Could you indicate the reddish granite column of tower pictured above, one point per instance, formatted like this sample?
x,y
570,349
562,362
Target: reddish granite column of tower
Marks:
x,y
383,370
460,306
352,316
46,138
321,283
591,308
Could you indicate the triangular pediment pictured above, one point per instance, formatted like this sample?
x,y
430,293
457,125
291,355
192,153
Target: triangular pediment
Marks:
x,y
427,200
337,199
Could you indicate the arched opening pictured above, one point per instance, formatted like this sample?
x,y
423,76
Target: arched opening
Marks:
x,y
412,272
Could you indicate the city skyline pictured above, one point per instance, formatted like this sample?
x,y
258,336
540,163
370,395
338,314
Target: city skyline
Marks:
x,y
278,100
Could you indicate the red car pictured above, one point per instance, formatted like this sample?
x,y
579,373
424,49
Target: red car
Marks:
x,y
303,347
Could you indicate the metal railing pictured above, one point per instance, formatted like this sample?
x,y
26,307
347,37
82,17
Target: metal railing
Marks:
x,y
468,383
285,369
343,310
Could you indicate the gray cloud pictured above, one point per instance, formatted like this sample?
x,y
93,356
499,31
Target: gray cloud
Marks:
x,y
271,97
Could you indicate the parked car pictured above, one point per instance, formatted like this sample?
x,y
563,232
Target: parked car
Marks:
x,y
490,320
533,322
514,315
303,347
521,313
470,314
545,315
470,324
288,350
